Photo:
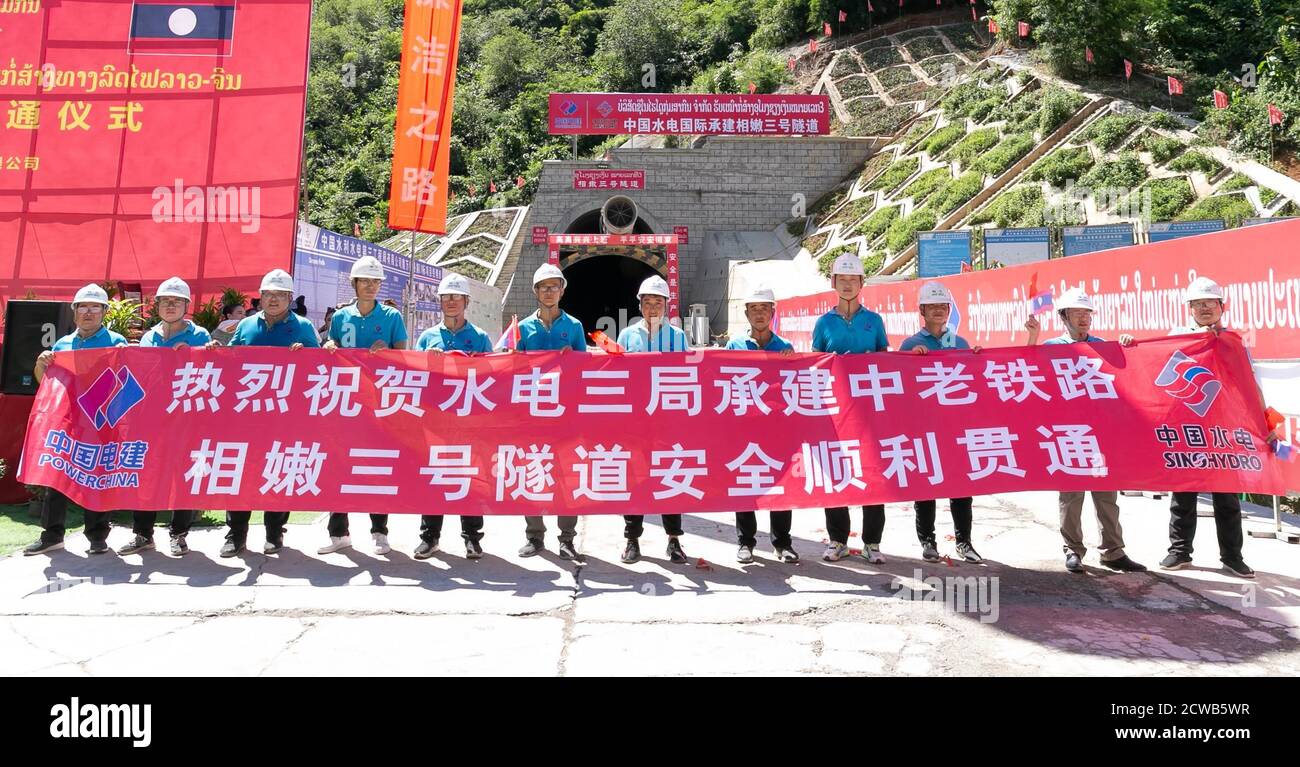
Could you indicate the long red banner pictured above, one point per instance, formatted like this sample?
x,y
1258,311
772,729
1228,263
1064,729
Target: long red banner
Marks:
x,y
1138,290
548,432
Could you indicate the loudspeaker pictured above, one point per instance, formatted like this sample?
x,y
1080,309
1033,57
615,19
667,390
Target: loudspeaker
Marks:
x,y
31,327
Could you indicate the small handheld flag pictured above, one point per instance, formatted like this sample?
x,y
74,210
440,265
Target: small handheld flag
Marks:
x,y
510,338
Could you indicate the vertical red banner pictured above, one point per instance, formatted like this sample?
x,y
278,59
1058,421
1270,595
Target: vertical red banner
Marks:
x,y
417,198
674,289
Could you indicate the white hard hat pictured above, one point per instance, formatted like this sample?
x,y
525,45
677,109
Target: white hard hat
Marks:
x,y
91,294
1075,298
277,279
453,285
653,286
934,293
174,287
549,272
367,268
761,296
1203,287
848,264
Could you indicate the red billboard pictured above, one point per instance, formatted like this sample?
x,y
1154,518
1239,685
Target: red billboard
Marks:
x,y
145,139
694,114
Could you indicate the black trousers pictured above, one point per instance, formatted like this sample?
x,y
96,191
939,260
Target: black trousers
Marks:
x,y
961,519
54,512
338,525
143,522
873,523
633,525
1227,523
471,528
747,528
237,521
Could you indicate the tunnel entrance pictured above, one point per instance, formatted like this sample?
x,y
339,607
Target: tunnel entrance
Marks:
x,y
602,289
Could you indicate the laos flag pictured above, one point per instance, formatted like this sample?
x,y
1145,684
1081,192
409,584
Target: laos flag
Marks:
x,y
196,28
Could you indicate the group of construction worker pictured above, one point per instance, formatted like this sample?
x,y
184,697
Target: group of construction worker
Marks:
x,y
849,328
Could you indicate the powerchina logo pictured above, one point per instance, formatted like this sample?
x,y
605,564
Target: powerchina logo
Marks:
x,y
1184,379
111,397
103,720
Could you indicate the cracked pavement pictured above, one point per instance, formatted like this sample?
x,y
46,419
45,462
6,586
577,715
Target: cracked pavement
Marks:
x,y
352,613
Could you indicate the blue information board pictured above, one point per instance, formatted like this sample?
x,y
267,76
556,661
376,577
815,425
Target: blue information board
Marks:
x,y
1009,247
1172,230
942,253
1258,221
1077,240
322,263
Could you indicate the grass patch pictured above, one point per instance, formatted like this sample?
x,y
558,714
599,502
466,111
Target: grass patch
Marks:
x,y
902,232
970,147
917,131
877,223
996,161
944,138
1169,197
1061,166
958,193
854,86
1125,170
18,527
897,173
1020,206
927,184
925,47
1111,130
895,76
847,64
1232,208
1197,161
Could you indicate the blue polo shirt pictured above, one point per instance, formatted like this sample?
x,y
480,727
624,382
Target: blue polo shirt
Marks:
x,y
383,323
468,339
565,332
1064,338
253,331
102,339
636,338
924,338
865,332
193,335
747,343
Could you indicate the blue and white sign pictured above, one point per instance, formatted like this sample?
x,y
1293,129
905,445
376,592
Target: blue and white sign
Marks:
x,y
1258,221
942,253
1009,247
1172,230
322,263
1077,240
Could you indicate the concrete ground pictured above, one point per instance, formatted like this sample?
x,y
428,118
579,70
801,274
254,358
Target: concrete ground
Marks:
x,y
352,613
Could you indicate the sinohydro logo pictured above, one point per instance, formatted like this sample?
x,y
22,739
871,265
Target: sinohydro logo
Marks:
x,y
102,720
111,397
1182,378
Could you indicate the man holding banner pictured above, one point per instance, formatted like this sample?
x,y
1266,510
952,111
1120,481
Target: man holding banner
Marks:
x,y
274,325
653,333
455,334
760,306
365,324
851,328
935,305
1205,302
174,332
88,308
550,328
1075,310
